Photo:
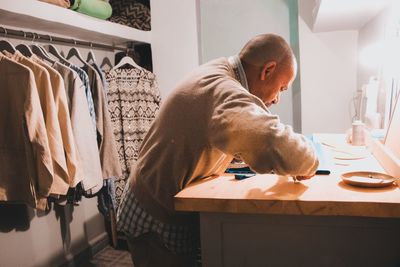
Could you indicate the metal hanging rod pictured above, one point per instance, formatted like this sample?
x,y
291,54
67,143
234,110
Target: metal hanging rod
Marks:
x,y
54,39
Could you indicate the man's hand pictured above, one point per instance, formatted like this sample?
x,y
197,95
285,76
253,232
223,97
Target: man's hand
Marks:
x,y
301,178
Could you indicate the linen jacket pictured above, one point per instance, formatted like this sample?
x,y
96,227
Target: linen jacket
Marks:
x,y
43,85
60,99
26,166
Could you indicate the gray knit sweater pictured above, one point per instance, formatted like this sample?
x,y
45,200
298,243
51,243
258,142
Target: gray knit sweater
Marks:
x,y
207,119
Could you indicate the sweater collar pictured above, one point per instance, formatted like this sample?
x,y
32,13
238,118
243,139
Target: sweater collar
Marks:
x,y
237,67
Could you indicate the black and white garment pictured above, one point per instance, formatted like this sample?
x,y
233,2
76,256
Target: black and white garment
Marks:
x,y
133,101
131,13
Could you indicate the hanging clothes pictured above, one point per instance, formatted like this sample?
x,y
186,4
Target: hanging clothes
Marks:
x,y
85,79
133,100
82,154
106,202
25,159
42,79
61,102
82,127
102,77
108,154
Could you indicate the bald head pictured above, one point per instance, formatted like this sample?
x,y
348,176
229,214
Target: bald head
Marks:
x,y
265,48
270,66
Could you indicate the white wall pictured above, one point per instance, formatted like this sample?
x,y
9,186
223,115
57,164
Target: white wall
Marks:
x,y
50,239
328,64
372,32
174,41
226,25
382,29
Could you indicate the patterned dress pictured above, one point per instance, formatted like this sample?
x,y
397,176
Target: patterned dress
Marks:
x,y
133,101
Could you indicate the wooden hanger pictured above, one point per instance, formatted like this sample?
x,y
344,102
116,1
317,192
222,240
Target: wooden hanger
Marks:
x,y
44,52
74,52
24,49
127,60
106,62
91,57
6,45
37,50
53,51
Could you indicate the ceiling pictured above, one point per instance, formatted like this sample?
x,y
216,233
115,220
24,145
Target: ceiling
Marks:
x,y
334,15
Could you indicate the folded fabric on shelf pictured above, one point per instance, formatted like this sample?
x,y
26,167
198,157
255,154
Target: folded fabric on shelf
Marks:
x,y
95,8
131,13
61,3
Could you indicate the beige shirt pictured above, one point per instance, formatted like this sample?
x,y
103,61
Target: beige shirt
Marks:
x,y
60,99
82,127
43,85
110,164
26,166
205,121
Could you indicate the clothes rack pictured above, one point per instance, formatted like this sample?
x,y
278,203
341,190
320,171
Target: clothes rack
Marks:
x,y
55,39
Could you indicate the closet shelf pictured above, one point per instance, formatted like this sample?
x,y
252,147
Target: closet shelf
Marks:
x,y
44,18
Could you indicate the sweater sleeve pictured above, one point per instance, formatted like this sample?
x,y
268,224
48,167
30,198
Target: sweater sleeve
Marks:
x,y
242,125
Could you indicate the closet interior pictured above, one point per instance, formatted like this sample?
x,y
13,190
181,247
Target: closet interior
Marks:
x,y
104,69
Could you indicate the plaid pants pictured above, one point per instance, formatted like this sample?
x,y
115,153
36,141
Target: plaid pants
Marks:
x,y
134,221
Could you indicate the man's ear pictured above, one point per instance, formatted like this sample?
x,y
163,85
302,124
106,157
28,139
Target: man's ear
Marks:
x,y
267,70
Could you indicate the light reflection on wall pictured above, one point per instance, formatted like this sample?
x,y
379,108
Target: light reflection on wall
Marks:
x,y
383,56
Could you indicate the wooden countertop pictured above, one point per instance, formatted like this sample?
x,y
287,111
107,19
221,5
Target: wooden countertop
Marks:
x,y
272,194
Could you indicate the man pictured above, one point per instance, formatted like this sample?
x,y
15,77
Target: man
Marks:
x,y
219,111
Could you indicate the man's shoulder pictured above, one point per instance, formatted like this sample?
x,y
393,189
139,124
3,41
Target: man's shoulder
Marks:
x,y
204,74
212,65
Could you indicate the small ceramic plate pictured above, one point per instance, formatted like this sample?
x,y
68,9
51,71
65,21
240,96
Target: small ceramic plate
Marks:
x,y
368,179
